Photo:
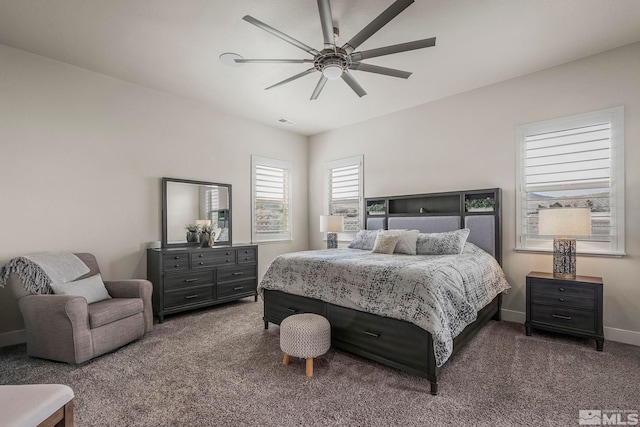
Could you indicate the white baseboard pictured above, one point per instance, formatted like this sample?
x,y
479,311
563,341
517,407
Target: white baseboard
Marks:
x,y
611,334
13,338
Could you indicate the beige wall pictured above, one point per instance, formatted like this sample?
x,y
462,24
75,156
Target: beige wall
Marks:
x,y
468,141
82,154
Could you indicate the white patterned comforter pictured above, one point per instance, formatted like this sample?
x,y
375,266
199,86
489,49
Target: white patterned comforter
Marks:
x,y
439,293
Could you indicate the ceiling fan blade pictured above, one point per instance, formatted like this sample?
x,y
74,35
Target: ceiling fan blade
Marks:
x,y
382,20
319,87
327,23
348,78
273,61
290,79
396,48
379,70
280,34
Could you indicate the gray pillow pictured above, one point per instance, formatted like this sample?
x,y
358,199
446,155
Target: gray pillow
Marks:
x,y
365,239
92,289
449,243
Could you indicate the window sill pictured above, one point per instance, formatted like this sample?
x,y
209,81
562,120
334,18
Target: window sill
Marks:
x,y
585,254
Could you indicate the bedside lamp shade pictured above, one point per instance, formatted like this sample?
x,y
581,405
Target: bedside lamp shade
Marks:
x,y
332,225
564,222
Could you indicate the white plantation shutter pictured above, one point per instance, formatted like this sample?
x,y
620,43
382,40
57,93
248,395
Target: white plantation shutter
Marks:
x,y
344,192
574,161
271,210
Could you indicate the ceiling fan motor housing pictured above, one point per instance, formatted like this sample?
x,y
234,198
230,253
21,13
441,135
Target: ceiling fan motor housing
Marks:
x,y
332,63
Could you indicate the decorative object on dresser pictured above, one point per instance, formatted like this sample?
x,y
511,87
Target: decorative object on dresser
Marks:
x,y
571,306
188,278
396,342
332,225
564,222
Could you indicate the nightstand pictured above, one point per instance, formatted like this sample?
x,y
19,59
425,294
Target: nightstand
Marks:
x,y
570,306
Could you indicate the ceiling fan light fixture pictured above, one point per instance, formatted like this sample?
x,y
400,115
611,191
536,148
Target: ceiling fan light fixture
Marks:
x,y
332,71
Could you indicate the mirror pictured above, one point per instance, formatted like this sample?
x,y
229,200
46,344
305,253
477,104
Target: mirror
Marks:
x,y
187,204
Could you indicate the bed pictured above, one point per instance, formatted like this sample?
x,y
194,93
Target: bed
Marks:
x,y
410,312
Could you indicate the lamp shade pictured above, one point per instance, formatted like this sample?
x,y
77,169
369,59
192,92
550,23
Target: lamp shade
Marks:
x,y
564,222
331,223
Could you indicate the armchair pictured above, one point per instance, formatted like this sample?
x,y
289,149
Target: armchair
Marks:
x,y
67,329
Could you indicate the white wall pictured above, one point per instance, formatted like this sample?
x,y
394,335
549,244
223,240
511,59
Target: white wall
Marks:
x,y
467,141
82,154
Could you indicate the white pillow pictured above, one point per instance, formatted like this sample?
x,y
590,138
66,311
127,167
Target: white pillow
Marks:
x,y
92,289
407,242
386,241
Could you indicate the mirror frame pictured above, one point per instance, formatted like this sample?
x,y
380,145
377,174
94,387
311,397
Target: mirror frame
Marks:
x,y
165,181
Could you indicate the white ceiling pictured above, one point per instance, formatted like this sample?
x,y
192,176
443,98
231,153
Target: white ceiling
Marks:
x,y
174,45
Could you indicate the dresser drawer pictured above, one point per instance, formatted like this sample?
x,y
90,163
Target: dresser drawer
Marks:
x,y
247,255
188,296
561,300
389,338
190,278
279,305
565,317
236,273
175,261
228,290
212,258
542,287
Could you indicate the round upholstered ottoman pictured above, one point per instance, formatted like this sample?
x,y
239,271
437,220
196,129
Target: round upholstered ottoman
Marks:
x,y
305,335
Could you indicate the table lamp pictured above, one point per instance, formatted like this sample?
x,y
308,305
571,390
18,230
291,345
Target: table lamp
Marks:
x,y
564,222
332,225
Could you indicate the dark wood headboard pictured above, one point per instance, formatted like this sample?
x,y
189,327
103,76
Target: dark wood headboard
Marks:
x,y
440,212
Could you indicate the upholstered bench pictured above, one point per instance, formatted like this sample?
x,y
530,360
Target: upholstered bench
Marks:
x,y
305,335
41,405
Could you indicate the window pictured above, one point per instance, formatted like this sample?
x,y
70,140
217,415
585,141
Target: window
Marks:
x,y
575,161
271,207
344,193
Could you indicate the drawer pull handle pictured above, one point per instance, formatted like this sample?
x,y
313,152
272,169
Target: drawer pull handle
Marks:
x,y
246,259
371,334
293,310
238,273
191,296
559,316
176,257
176,266
201,263
561,289
246,252
238,288
228,253
228,260
561,299
191,280
200,256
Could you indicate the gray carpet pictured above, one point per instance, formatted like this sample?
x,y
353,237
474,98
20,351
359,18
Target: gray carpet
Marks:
x,y
219,367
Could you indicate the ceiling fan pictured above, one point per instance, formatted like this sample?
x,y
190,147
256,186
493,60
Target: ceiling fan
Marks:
x,y
336,62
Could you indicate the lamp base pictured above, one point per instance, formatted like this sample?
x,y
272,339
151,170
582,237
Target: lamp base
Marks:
x,y
564,258
332,240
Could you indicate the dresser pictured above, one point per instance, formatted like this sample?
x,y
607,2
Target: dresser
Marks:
x,y
189,278
570,306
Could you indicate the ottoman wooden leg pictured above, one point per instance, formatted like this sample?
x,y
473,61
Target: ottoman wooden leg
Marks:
x,y
285,359
310,366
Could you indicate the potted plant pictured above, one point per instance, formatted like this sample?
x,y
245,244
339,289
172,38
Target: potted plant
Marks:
x,y
480,205
192,233
376,209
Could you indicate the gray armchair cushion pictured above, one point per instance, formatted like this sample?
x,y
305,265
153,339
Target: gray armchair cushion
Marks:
x,y
104,312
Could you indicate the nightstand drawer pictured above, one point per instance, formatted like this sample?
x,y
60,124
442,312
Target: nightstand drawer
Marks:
x,y
543,287
561,300
564,317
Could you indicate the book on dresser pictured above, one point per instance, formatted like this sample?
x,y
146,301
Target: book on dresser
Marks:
x,y
189,278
